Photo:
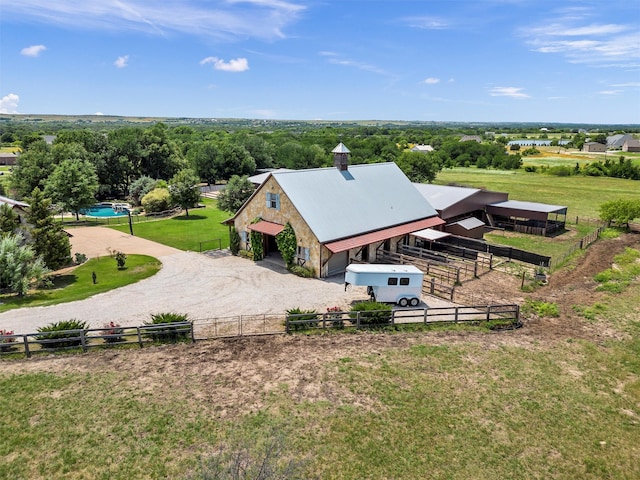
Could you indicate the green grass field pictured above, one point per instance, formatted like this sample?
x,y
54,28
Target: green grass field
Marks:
x,y
458,408
582,195
186,233
78,283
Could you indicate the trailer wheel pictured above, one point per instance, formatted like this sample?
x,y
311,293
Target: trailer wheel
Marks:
x,y
414,302
403,302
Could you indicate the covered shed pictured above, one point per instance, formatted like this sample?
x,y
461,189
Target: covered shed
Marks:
x,y
527,217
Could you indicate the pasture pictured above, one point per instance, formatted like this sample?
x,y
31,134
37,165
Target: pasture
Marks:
x,y
582,195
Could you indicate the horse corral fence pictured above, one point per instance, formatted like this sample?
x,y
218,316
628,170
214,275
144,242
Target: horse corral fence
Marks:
x,y
29,344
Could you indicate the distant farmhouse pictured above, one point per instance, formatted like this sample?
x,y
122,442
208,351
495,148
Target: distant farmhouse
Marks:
x,y
616,142
422,148
631,145
471,138
8,158
594,147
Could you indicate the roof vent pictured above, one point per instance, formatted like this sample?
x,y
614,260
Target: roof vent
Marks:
x,y
341,157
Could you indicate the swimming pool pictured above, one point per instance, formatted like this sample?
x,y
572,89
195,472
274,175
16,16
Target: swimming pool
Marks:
x,y
103,210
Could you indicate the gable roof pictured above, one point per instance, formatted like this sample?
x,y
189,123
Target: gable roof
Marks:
x,y
13,203
443,196
339,204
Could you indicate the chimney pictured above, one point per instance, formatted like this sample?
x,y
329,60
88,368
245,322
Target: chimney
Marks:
x,y
341,157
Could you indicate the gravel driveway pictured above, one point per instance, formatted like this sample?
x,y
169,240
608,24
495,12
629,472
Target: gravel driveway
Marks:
x,y
192,283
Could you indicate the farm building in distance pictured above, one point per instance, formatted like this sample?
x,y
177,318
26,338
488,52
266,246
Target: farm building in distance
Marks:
x,y
594,147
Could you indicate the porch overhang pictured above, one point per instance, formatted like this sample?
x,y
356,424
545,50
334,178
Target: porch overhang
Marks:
x,y
268,228
380,235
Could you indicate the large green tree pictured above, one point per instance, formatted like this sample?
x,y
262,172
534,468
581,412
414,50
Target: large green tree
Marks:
x,y
73,185
32,169
47,237
419,167
235,160
20,267
206,159
9,220
620,211
237,191
184,189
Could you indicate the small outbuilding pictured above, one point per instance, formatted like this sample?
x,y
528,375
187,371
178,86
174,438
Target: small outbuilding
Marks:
x,y
527,217
594,147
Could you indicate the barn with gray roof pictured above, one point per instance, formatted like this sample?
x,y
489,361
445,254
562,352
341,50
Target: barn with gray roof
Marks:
x,y
338,214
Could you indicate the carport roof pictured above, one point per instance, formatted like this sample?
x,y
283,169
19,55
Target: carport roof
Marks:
x,y
380,235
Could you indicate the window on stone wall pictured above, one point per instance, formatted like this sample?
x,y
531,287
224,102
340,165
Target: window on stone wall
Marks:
x,y
273,200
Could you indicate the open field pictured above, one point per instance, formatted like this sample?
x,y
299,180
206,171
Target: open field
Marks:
x,y
556,399
582,195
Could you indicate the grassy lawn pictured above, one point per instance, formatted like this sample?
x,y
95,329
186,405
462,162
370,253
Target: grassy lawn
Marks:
x,y
549,246
458,410
78,284
186,233
582,195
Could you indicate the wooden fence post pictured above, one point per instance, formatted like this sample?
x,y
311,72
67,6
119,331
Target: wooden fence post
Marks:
x,y
27,352
139,336
83,341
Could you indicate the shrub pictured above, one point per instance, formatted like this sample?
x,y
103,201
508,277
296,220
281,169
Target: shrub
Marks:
x,y
57,334
157,200
169,334
121,260
6,339
114,329
333,314
301,271
234,241
80,258
542,309
307,317
371,313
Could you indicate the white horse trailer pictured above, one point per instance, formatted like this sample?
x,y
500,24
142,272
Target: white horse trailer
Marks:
x,y
401,284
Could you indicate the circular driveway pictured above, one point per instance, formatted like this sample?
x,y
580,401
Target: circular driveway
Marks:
x,y
196,284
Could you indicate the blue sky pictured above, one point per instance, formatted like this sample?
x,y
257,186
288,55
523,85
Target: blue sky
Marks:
x,y
430,60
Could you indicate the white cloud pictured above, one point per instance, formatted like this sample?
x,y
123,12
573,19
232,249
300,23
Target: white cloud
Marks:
x,y
33,50
596,44
610,92
513,92
227,19
9,103
234,65
431,81
630,84
122,61
426,23
99,113
337,59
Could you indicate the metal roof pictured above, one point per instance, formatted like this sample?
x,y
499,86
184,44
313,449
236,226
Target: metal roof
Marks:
x,y
442,197
261,177
12,202
469,223
380,235
529,206
269,228
341,148
339,204
430,234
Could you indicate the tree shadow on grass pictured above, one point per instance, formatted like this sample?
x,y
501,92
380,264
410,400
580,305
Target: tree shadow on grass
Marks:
x,y
190,217
62,281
